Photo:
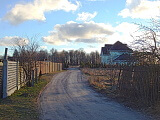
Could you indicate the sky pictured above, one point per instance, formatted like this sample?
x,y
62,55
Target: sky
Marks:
x,y
72,24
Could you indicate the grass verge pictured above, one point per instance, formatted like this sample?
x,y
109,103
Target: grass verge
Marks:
x,y
22,105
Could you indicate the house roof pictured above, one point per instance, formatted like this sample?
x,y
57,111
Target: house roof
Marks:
x,y
104,50
124,57
108,46
118,46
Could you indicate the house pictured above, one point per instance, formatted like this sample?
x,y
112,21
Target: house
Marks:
x,y
117,53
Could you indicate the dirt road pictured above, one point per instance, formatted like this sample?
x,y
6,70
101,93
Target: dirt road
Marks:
x,y
68,97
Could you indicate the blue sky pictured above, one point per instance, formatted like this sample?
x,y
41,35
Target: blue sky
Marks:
x,y
72,24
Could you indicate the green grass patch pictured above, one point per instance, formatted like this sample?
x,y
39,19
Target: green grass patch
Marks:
x,y
22,105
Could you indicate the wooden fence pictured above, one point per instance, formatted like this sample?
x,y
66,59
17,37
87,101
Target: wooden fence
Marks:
x,y
140,83
13,77
48,67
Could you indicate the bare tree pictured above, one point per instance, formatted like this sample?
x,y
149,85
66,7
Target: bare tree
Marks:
x,y
148,42
43,55
27,55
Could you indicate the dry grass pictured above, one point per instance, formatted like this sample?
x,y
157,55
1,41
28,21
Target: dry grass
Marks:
x,y
105,80
100,82
22,105
102,79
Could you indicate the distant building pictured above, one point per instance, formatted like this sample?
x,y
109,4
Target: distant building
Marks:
x,y
117,53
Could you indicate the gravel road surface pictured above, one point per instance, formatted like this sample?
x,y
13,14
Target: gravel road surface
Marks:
x,y
69,97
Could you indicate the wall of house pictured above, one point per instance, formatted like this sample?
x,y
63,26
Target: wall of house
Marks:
x,y
116,54
108,59
103,59
121,62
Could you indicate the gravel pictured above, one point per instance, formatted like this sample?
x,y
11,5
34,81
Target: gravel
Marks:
x,y
69,97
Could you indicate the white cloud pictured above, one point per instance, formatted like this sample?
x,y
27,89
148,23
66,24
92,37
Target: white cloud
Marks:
x,y
43,47
124,32
131,4
143,9
13,41
126,27
87,32
89,49
91,33
35,10
85,16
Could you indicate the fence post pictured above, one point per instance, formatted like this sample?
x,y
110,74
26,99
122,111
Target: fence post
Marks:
x,y
5,75
44,63
36,75
40,69
119,78
49,67
54,67
58,67
17,74
32,77
4,78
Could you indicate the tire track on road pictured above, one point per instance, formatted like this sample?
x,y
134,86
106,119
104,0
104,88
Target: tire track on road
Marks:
x,y
68,97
